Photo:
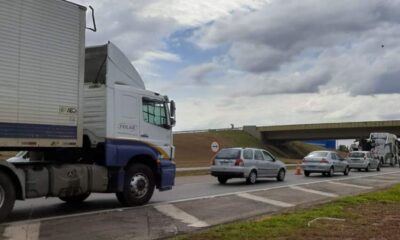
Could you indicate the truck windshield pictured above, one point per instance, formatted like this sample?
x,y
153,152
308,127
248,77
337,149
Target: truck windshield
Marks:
x,y
357,154
228,154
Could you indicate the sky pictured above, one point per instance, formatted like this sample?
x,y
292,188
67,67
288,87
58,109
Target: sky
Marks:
x,y
261,62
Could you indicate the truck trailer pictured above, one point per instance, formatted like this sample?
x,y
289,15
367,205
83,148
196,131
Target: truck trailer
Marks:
x,y
81,118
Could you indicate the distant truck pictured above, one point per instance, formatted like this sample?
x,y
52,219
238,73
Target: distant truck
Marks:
x,y
81,118
384,146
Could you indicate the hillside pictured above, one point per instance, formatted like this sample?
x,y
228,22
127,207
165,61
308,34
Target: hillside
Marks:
x,y
193,149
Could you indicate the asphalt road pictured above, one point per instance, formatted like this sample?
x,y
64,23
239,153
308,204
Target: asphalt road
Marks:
x,y
186,188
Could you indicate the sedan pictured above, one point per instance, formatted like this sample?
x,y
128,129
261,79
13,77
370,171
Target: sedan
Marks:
x,y
363,160
325,162
248,163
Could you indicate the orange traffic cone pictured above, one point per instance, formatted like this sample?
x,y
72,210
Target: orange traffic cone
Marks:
x,y
298,169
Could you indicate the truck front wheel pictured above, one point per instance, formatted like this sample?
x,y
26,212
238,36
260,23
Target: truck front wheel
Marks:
x,y
75,199
138,186
7,195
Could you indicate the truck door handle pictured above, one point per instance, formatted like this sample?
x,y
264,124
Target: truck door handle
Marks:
x,y
144,135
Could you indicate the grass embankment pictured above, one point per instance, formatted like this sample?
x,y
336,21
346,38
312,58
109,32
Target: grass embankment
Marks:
x,y
193,149
373,215
6,155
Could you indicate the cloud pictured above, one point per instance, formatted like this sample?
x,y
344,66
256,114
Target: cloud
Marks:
x,y
194,13
199,73
335,46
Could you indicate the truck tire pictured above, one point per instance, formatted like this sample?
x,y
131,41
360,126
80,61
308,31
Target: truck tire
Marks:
x,y
7,195
75,199
138,186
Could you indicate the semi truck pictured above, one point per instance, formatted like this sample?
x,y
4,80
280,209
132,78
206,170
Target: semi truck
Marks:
x,y
384,146
81,118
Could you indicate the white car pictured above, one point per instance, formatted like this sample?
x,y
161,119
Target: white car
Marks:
x,y
248,163
325,162
363,160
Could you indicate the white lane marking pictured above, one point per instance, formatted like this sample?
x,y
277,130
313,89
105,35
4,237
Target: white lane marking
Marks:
x,y
380,180
178,214
194,198
24,232
350,185
393,178
314,191
265,200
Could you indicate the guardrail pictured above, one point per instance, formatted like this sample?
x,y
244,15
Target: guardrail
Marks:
x,y
208,130
207,168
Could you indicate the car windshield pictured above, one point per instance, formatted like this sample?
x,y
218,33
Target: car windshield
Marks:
x,y
357,154
229,153
317,154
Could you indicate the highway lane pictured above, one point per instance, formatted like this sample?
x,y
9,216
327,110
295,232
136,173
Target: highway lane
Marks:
x,y
186,188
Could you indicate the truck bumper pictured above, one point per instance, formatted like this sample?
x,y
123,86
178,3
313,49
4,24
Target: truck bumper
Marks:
x,y
167,170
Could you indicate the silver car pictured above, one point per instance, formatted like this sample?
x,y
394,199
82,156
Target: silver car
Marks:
x,y
249,163
363,160
325,162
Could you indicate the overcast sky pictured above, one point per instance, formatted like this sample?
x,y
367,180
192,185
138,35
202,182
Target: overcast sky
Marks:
x,y
255,62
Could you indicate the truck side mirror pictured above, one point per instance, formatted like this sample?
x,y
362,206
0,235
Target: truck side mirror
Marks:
x,y
173,108
173,111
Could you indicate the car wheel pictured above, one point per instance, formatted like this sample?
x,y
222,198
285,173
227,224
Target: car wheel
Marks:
x,y
331,172
367,168
75,199
306,173
281,175
7,195
222,180
252,178
138,186
346,171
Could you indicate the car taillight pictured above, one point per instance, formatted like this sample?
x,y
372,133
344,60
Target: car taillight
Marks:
x,y
239,162
323,161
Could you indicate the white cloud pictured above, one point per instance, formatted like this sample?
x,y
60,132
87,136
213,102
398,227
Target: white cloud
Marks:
x,y
195,13
287,62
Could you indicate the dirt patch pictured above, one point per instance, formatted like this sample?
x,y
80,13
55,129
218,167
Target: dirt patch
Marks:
x,y
366,221
194,150
6,155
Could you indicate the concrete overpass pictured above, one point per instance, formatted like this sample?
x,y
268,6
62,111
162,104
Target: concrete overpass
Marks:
x,y
345,130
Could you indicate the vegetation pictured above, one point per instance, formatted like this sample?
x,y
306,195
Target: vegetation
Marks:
x,y
193,149
295,224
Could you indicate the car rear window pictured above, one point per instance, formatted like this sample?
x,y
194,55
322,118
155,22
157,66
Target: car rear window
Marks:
x,y
228,154
318,154
356,154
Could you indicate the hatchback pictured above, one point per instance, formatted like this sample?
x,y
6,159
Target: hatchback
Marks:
x,y
248,163
325,162
363,160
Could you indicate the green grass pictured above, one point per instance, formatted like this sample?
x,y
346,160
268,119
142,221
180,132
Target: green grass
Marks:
x,y
237,138
286,224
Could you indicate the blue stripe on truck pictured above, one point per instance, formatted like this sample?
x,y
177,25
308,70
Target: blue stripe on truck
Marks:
x,y
43,131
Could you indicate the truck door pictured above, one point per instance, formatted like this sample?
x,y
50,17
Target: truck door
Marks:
x,y
155,125
127,114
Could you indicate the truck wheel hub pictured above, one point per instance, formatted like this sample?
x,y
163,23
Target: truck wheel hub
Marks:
x,y
139,185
